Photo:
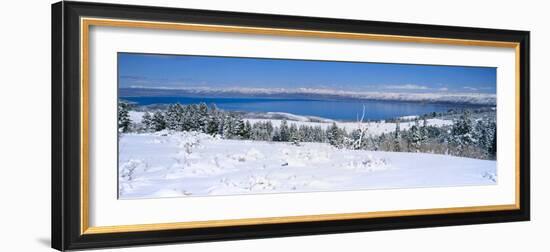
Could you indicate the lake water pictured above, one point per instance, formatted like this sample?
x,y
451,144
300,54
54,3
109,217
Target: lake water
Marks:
x,y
332,109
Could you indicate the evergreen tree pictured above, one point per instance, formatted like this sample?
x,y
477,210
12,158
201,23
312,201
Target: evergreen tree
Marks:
x,y
123,117
484,134
318,134
305,133
493,146
482,137
414,138
247,130
269,130
175,117
461,133
203,117
380,144
213,120
227,127
262,132
192,118
158,122
424,134
221,124
238,130
425,128
284,132
147,121
276,134
213,125
293,132
335,136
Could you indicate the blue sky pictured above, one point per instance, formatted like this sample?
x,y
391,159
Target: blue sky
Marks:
x,y
173,71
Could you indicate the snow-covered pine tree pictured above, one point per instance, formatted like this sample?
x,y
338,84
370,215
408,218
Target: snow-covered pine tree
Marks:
x,y
284,131
227,125
238,129
147,121
258,132
461,133
493,146
193,117
262,131
424,128
414,138
276,134
334,136
213,121
269,130
212,127
319,134
305,133
293,132
484,134
175,117
424,137
124,121
158,122
481,135
254,131
203,117
247,130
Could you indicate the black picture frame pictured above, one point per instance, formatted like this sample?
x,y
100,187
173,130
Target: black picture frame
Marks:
x,y
66,126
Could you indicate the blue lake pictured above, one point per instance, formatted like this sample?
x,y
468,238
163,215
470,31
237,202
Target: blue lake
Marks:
x,y
326,108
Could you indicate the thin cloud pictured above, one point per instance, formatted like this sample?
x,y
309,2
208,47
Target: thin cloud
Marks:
x,y
407,87
471,88
142,81
133,77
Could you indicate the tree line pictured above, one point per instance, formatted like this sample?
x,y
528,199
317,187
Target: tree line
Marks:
x,y
466,137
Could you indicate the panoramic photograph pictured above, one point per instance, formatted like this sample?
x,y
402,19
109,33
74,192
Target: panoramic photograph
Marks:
x,y
193,125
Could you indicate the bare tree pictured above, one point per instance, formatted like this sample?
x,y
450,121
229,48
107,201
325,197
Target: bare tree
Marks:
x,y
362,130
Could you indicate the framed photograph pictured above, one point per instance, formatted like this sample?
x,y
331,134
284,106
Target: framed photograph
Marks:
x,y
181,125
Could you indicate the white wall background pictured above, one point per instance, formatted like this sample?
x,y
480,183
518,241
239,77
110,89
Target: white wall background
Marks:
x,y
25,125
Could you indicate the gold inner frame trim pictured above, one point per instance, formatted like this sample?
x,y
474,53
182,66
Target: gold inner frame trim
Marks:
x,y
86,23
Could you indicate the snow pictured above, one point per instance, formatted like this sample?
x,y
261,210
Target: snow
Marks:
x,y
293,117
135,116
182,164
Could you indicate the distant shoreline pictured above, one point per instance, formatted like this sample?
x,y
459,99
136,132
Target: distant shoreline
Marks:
x,y
474,99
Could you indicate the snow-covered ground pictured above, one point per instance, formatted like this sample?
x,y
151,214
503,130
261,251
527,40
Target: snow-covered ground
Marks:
x,y
135,116
171,164
287,116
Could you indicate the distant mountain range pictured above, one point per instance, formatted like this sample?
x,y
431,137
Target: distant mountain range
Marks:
x,y
313,93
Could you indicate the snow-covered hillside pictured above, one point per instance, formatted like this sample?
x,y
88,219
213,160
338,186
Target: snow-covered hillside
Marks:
x,y
170,164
